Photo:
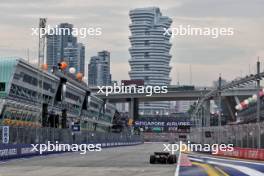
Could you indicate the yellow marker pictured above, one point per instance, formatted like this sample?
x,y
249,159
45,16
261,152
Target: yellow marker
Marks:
x,y
211,171
221,171
130,122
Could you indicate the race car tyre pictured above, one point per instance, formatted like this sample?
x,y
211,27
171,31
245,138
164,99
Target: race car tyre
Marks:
x,y
152,159
172,159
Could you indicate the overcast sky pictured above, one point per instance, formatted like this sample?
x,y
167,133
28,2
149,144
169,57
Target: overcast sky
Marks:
x,y
232,56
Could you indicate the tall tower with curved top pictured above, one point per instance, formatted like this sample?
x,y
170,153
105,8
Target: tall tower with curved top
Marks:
x,y
149,51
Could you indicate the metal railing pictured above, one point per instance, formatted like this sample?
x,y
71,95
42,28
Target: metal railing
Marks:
x,y
28,135
243,135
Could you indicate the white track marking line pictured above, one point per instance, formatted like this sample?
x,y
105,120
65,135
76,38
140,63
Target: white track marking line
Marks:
x,y
231,160
177,171
246,170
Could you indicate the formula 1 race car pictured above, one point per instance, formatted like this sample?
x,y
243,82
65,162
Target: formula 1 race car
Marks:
x,y
162,158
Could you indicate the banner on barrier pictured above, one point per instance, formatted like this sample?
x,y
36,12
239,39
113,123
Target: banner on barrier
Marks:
x,y
5,134
244,153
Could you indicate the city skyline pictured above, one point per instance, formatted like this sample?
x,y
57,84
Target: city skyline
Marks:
x,y
176,85
204,54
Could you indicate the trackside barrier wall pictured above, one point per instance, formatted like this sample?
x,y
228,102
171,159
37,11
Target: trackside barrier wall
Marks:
x,y
244,153
21,138
27,135
9,151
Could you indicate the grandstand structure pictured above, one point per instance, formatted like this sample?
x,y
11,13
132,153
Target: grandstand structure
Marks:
x,y
32,97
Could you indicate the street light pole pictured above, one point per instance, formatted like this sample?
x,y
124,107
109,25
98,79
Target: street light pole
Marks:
x,y
258,105
220,108
203,125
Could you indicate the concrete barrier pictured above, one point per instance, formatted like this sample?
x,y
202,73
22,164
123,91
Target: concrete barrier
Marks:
x,y
244,153
10,151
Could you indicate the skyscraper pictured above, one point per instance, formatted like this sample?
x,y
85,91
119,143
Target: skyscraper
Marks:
x,y
65,47
74,55
183,106
99,70
53,50
150,58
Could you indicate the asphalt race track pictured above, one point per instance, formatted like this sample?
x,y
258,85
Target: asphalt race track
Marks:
x,y
126,161
120,161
